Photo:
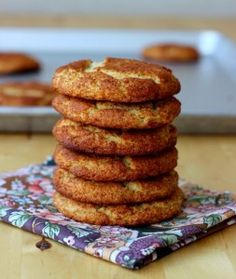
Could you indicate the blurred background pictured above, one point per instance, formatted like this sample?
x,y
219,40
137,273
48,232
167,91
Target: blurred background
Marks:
x,y
175,14
141,23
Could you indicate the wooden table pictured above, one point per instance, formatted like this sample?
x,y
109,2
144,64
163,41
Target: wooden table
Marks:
x,y
207,160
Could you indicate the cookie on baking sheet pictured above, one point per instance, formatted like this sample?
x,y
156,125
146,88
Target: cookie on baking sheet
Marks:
x,y
30,93
90,139
118,116
105,168
89,191
11,63
171,52
115,80
122,215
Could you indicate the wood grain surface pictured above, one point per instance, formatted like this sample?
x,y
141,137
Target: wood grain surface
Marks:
x,y
207,160
225,25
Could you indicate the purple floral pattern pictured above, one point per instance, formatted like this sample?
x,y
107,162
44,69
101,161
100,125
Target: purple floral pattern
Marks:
x,y
26,202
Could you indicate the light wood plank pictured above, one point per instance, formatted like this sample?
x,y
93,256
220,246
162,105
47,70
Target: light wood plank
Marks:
x,y
225,25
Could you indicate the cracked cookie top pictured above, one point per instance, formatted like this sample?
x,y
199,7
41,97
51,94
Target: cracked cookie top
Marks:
x,y
116,80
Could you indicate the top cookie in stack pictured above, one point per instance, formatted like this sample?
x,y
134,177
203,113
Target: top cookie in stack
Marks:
x,y
116,80
116,154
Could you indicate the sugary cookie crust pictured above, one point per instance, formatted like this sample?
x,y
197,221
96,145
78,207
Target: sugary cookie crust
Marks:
x,y
122,215
90,139
106,168
116,80
117,115
89,191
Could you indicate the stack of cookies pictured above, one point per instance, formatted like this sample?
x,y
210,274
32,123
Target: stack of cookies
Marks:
x,y
116,154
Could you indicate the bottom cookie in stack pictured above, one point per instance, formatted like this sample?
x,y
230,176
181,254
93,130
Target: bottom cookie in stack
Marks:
x,y
116,203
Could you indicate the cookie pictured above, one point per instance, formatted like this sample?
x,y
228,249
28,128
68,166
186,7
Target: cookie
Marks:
x,y
171,52
30,93
118,116
90,191
122,215
115,80
105,168
90,139
11,63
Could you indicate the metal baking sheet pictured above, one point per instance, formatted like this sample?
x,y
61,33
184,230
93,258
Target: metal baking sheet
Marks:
x,y
208,92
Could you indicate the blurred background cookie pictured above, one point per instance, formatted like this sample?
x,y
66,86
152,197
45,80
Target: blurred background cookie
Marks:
x,y
171,52
30,93
13,62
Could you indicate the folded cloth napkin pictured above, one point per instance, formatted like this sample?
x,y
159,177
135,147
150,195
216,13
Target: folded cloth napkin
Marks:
x,y
26,202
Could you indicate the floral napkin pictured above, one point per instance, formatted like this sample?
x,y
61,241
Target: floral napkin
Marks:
x,y
26,202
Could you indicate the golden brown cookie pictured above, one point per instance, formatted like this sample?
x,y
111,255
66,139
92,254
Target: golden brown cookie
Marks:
x,y
122,215
30,93
105,168
89,191
90,139
115,80
171,52
118,116
11,63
